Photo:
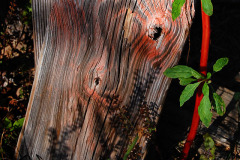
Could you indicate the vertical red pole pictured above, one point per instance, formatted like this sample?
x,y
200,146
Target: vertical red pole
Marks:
x,y
203,70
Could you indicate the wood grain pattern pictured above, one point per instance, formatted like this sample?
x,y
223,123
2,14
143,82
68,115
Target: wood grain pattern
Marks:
x,y
99,78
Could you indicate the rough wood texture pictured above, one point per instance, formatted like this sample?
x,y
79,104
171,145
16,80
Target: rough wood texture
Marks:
x,y
99,80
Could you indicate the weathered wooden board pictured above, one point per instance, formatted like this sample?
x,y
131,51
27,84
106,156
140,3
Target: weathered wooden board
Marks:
x,y
99,80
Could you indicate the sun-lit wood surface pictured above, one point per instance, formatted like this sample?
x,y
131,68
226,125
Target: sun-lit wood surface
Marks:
x,y
99,75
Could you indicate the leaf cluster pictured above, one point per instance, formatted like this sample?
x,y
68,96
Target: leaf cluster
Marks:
x,y
8,125
209,148
192,80
10,133
177,6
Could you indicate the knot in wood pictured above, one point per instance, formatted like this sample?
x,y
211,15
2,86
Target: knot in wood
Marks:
x,y
154,29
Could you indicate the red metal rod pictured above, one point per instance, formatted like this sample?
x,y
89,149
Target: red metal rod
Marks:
x,y
199,96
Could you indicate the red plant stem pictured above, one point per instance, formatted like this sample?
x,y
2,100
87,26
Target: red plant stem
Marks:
x,y
199,96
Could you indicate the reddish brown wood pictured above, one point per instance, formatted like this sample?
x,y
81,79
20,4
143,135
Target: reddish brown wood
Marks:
x,y
99,80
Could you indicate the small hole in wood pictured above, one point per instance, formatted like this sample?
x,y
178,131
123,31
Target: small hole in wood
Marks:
x,y
157,33
97,80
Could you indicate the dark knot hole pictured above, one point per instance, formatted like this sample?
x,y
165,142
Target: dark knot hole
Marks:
x,y
157,33
97,80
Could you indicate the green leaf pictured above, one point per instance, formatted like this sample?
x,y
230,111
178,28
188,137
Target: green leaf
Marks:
x,y
212,151
25,22
29,9
204,109
208,78
181,71
209,146
176,8
7,123
130,148
24,13
219,104
205,89
208,141
186,81
220,63
18,123
188,92
203,157
207,7
209,75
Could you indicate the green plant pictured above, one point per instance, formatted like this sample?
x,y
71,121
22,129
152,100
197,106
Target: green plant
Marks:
x,y
130,147
206,11
177,6
10,133
16,70
209,148
187,76
27,13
